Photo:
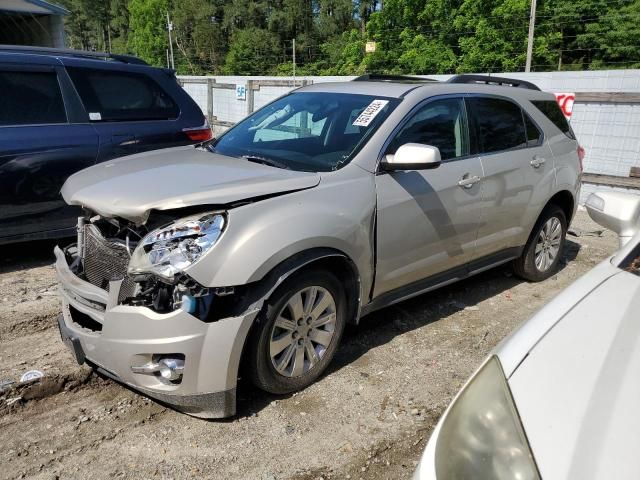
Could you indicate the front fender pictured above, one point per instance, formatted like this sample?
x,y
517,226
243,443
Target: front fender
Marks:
x,y
338,214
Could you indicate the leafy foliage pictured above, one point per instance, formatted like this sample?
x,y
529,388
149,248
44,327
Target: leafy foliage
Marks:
x,y
147,37
250,48
412,36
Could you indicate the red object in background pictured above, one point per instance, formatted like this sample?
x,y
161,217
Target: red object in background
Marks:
x,y
566,101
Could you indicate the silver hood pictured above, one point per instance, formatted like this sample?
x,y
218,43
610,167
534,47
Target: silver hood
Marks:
x,y
130,187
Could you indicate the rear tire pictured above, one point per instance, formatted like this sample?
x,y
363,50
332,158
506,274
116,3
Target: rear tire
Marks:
x,y
542,253
296,336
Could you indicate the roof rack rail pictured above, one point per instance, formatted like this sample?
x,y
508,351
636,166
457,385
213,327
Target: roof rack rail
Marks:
x,y
69,52
489,80
377,77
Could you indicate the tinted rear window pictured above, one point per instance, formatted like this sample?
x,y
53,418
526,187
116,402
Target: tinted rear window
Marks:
x,y
499,124
30,98
552,111
122,96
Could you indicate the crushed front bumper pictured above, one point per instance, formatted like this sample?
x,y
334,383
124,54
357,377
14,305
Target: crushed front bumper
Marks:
x,y
114,338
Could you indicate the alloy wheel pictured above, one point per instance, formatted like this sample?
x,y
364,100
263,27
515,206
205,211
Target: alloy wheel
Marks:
x,y
548,244
302,331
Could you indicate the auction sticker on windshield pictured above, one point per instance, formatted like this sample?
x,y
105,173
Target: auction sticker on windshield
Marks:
x,y
369,113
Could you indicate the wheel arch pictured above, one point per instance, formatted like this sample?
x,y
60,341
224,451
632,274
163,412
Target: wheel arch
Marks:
x,y
333,260
566,201
563,199
336,261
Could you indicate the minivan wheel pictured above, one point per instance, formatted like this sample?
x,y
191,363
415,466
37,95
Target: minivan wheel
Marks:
x,y
542,253
297,334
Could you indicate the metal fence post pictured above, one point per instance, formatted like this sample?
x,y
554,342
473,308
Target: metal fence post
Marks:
x,y
210,82
250,97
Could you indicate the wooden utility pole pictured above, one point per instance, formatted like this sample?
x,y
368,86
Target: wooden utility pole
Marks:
x,y
532,25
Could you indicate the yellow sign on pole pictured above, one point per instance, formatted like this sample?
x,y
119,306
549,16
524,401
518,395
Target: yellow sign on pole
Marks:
x,y
370,47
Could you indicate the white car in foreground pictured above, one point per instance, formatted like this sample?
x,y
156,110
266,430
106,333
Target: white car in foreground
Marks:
x,y
559,398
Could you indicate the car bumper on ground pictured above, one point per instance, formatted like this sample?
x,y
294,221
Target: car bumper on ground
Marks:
x,y
120,340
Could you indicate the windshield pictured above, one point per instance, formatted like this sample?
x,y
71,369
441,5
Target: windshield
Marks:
x,y
314,131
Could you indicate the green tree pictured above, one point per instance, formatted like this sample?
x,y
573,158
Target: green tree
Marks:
x,y
492,35
97,25
412,36
334,17
616,36
148,33
119,25
588,34
201,44
77,26
241,14
253,51
422,54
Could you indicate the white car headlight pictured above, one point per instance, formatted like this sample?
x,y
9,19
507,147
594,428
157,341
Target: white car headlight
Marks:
x,y
169,250
481,436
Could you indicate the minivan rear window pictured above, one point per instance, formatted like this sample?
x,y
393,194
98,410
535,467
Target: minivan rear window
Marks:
x,y
499,124
110,96
30,98
551,110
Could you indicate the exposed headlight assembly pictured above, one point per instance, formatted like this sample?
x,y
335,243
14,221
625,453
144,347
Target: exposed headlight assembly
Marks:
x,y
481,436
169,250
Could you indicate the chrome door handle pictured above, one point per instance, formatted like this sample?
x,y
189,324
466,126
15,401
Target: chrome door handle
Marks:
x,y
468,182
537,162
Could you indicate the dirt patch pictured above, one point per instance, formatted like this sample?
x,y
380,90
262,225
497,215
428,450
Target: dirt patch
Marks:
x,y
369,417
16,395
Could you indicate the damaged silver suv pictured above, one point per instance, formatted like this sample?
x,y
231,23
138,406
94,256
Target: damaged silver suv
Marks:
x,y
329,203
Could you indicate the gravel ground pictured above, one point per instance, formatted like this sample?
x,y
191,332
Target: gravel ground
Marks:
x,y
369,417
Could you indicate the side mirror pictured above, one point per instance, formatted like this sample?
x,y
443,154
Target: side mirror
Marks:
x,y
412,156
619,212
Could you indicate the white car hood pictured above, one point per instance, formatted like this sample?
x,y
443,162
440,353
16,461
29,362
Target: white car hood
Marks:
x,y
130,187
578,390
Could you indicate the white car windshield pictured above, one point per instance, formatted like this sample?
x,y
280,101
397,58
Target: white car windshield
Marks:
x,y
310,131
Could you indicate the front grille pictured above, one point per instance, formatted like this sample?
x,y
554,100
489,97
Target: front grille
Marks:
x,y
106,260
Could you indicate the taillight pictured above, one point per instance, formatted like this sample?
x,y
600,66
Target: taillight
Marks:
x,y
199,134
581,154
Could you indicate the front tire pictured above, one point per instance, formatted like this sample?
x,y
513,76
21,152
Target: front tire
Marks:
x,y
543,250
296,337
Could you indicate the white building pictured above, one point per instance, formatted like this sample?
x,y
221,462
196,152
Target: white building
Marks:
x,y
32,22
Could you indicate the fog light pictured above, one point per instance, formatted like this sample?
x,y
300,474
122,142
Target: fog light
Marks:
x,y
171,368
167,368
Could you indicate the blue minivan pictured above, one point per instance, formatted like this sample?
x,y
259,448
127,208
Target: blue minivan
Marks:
x,y
65,110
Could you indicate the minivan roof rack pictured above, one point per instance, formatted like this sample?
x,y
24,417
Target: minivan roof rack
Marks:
x,y
490,80
377,77
69,52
